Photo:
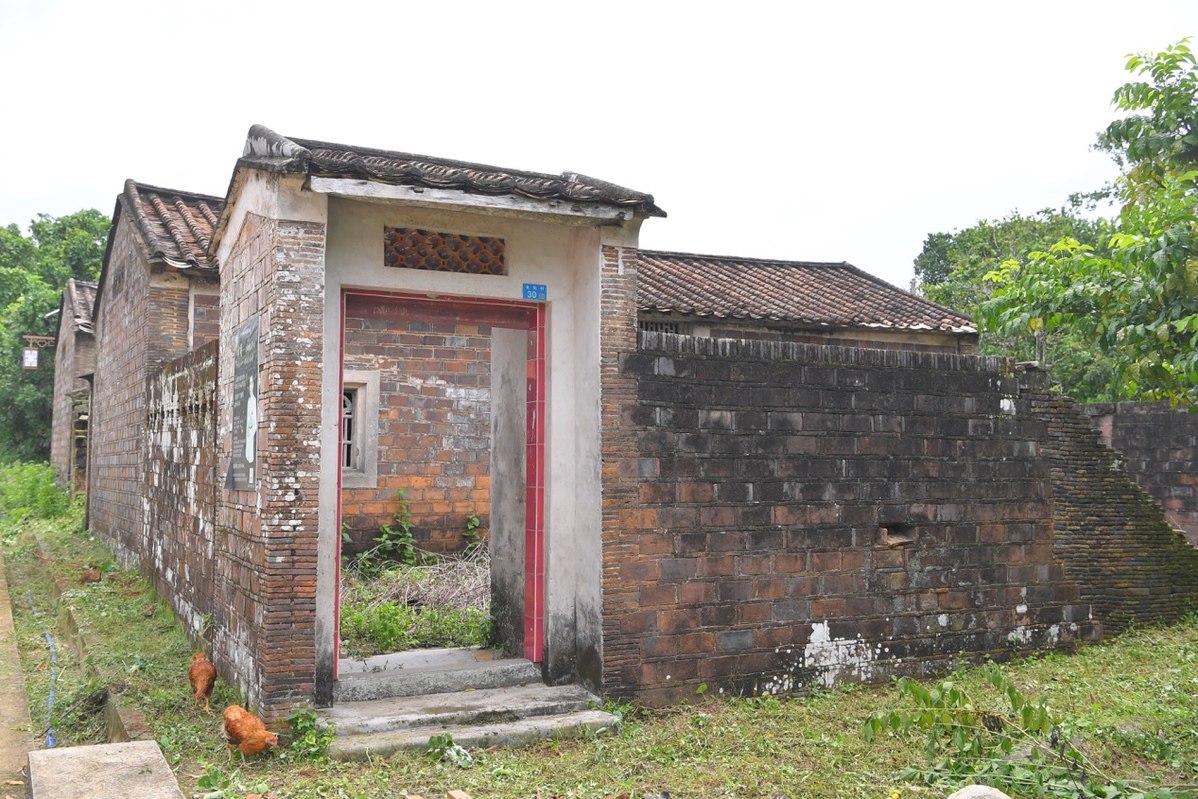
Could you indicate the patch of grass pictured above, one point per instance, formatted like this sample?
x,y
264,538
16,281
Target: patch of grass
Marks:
x,y
444,602
30,489
390,627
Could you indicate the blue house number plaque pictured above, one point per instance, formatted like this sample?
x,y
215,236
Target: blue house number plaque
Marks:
x,y
535,291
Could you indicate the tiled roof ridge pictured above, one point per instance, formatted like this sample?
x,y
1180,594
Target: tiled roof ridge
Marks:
x,y
844,265
187,218
82,294
390,166
745,259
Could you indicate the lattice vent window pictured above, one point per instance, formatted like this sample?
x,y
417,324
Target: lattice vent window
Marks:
x,y
661,327
411,248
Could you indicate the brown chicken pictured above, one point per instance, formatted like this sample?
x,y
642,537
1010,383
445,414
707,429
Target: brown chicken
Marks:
x,y
202,675
246,733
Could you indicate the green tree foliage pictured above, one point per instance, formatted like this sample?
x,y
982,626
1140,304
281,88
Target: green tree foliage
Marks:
x,y
1137,300
34,269
952,267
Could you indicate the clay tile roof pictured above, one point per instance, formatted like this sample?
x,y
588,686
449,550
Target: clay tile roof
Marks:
x,y
82,298
175,225
322,159
825,294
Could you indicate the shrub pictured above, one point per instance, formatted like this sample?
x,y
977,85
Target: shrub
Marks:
x,y
30,489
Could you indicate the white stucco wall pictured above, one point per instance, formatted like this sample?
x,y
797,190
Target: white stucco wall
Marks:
x,y
563,257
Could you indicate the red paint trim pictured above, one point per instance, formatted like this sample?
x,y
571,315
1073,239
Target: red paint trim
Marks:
x,y
337,566
534,529
508,314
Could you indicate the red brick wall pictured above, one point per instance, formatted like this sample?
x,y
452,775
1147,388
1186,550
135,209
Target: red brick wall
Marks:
x,y
434,430
205,315
265,607
141,322
626,541
122,330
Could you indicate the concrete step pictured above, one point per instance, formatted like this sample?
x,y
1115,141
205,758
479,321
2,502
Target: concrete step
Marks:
x,y
429,671
509,716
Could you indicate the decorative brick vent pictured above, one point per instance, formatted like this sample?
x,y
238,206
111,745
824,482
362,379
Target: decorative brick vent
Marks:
x,y
411,248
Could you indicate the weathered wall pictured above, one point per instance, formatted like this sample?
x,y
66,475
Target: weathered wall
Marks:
x,y
1158,446
75,355
114,462
266,577
142,321
180,485
790,514
869,338
1131,563
434,429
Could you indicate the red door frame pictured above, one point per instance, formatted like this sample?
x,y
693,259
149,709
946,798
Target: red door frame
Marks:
x,y
506,314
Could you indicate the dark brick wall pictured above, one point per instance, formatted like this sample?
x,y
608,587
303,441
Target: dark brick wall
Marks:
x,y
798,514
962,344
1157,445
1131,563
181,483
434,431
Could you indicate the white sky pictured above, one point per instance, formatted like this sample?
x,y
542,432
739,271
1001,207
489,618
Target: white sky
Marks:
x,y
809,131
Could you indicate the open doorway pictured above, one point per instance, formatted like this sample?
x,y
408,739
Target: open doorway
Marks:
x,y
442,420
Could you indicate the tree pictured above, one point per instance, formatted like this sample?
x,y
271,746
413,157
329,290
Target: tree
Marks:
x,y
1137,301
952,267
33,271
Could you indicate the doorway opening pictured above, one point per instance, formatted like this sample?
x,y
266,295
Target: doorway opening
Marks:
x,y
443,434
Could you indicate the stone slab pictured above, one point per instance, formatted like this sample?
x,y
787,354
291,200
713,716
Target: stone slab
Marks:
x,y
135,768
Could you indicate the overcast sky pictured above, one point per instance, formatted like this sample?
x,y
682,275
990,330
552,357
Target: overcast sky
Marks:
x,y
807,131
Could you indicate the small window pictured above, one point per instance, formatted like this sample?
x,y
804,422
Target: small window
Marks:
x,y
359,429
351,447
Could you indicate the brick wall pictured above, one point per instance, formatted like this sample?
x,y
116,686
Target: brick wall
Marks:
x,y
205,315
434,430
265,605
181,483
1114,537
1157,445
917,342
114,465
142,323
792,515
74,355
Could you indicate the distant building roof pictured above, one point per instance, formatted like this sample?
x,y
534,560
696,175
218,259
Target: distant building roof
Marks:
x,y
823,294
176,226
78,299
265,149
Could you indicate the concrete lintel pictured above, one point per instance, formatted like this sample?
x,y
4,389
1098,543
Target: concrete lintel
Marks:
x,y
558,210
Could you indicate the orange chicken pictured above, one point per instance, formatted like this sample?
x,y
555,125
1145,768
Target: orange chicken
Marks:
x,y
202,675
246,733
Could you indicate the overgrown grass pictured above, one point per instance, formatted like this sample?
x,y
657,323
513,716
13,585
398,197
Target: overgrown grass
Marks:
x,y
442,603
30,489
1130,706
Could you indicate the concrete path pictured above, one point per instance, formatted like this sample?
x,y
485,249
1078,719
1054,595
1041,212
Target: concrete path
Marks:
x,y
16,740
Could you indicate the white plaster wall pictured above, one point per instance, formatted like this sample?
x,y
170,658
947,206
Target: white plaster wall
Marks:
x,y
563,257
